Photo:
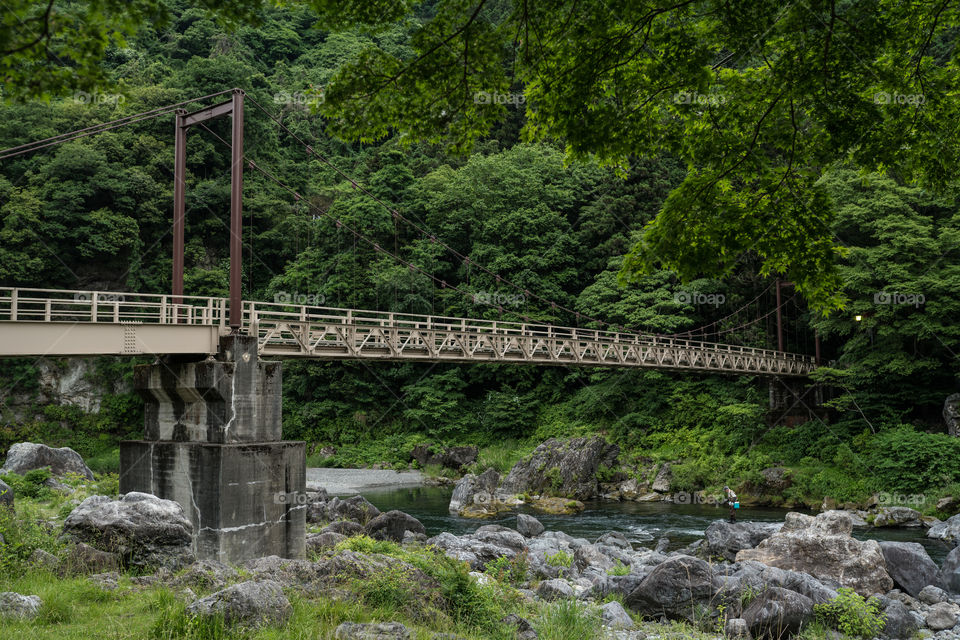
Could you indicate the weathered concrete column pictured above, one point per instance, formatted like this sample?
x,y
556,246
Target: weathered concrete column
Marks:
x,y
212,442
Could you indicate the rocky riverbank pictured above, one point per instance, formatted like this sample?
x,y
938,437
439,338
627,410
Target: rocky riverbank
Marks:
x,y
378,574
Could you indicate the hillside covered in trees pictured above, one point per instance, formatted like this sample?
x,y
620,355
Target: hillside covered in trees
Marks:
x,y
95,214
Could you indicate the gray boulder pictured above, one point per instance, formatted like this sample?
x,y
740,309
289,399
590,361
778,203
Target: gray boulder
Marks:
x,y
615,616
371,631
27,456
6,495
250,603
824,548
755,577
942,615
142,529
84,559
554,589
932,594
896,517
475,496
15,605
909,565
528,526
950,572
614,539
661,484
522,626
45,560
563,468
951,413
471,550
320,541
948,530
725,538
451,457
736,628
899,624
355,508
206,574
677,588
501,536
777,613
392,525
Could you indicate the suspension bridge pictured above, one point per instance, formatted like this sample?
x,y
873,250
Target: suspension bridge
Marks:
x,y
45,322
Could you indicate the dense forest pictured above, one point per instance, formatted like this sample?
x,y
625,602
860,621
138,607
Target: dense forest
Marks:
x,y
95,214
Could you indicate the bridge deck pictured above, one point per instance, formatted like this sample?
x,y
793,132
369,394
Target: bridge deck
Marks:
x,y
60,322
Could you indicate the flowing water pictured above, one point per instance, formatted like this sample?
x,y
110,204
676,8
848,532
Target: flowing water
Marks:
x,y
641,522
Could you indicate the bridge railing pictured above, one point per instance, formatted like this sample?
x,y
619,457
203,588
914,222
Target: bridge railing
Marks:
x,y
55,305
261,316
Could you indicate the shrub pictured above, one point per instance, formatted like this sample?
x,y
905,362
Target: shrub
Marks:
x,y
29,485
559,559
850,614
618,569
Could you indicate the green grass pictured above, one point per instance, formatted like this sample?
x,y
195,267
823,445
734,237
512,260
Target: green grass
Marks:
x,y
568,620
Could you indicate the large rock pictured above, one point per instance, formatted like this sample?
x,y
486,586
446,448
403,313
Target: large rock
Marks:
x,y
909,565
84,559
142,529
727,538
475,496
554,590
455,458
951,413
900,623
677,588
355,508
777,612
775,481
661,484
6,495
942,615
27,456
950,571
824,548
392,525
613,615
371,631
249,603
15,605
896,517
754,577
563,468
528,525
948,530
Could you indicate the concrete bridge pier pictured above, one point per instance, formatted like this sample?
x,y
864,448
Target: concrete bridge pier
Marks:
x,y
212,442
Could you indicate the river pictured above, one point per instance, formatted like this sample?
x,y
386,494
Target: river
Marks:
x,y
641,522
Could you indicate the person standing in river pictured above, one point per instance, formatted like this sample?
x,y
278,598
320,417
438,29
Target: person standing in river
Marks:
x,y
731,501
